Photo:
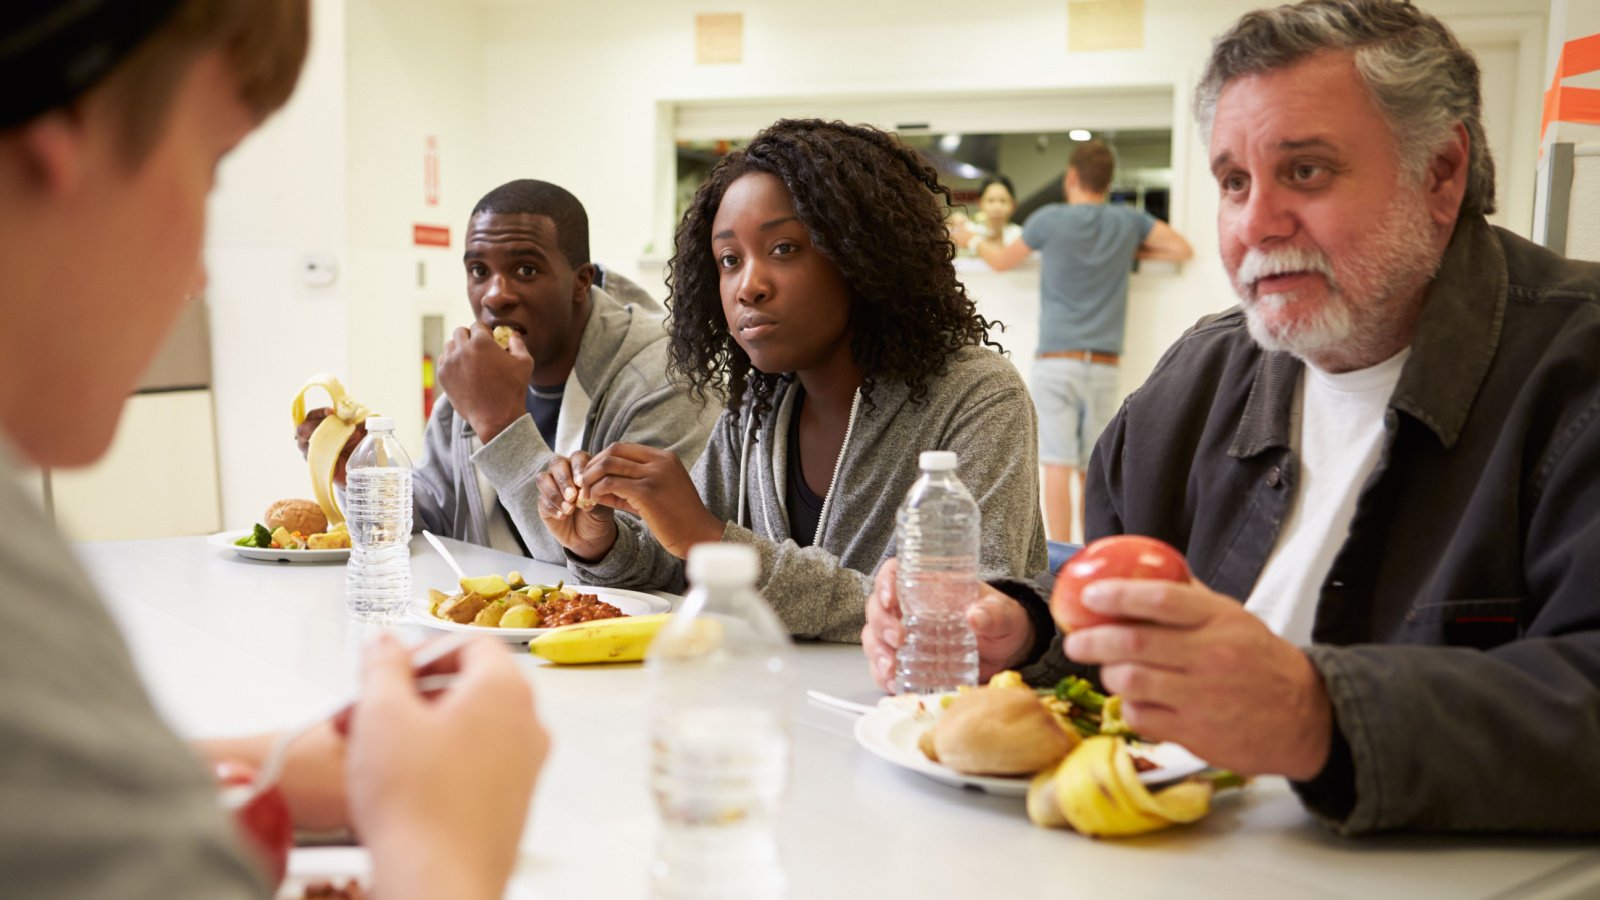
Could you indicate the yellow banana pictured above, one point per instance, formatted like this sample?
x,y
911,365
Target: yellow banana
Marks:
x,y
702,639
1090,800
1125,814
1183,802
623,639
1100,794
1186,801
328,441
1044,810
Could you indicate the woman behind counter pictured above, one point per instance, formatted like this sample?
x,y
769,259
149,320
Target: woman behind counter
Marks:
x,y
997,200
812,289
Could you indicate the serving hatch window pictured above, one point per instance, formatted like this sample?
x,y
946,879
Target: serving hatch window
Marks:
x,y
1034,161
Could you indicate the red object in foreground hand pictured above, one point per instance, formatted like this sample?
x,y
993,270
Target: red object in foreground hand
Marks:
x,y
263,822
1118,556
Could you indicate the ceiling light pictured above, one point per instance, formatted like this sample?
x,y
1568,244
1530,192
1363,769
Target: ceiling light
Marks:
x,y
1079,134
948,143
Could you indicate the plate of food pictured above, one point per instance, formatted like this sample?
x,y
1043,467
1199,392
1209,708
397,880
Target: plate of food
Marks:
x,y
291,531
997,743
515,611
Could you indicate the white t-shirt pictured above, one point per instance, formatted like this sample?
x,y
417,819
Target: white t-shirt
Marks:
x,y
1337,430
1008,236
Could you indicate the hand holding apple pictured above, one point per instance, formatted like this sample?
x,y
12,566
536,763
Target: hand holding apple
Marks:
x,y
263,820
1118,556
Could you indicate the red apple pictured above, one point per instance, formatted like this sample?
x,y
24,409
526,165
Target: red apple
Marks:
x,y
263,821
1118,556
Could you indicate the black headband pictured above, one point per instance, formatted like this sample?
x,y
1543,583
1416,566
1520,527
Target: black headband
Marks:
x,y
52,51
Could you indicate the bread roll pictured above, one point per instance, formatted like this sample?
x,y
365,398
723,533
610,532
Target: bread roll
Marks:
x,y
999,731
303,516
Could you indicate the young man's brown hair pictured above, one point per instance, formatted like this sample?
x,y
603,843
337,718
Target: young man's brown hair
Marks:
x,y
1094,164
264,42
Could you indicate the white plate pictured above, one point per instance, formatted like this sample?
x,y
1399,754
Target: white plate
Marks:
x,y
631,603
225,540
890,731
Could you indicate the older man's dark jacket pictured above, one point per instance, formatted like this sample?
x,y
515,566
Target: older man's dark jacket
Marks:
x,y
1458,631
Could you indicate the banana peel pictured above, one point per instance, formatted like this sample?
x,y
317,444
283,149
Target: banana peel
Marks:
x,y
1043,808
328,441
1096,791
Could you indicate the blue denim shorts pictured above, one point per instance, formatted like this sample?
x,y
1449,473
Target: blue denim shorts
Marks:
x,y
1075,400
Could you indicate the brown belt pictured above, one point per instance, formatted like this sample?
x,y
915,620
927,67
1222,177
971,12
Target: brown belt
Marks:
x,y
1089,356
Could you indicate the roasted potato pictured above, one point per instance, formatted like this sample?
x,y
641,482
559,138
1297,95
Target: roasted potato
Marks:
x,y
462,608
489,616
520,616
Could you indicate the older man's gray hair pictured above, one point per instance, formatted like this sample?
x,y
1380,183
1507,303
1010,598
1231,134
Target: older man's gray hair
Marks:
x,y
1419,74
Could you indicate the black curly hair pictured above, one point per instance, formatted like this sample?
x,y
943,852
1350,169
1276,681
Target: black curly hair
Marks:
x,y
877,211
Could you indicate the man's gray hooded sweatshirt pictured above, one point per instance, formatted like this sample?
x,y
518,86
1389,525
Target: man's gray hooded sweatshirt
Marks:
x,y
621,366
979,408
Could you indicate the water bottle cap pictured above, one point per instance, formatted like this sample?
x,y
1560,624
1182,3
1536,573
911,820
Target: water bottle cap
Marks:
x,y
380,423
719,563
937,460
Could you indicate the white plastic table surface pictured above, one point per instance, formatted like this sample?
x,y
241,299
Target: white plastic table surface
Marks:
x,y
228,645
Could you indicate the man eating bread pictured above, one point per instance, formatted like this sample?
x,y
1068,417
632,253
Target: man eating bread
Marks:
x,y
561,356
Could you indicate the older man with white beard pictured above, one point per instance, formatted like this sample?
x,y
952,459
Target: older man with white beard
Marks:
x,y
1390,453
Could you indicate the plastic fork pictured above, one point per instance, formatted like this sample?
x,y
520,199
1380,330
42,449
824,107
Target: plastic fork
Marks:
x,y
451,560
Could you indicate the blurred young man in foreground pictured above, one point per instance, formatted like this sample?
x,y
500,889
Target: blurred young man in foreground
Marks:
x,y
115,117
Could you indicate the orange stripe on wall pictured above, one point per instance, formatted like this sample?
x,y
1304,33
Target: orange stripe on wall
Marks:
x,y
1580,57
1580,106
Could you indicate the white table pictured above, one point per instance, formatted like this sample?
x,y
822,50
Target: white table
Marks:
x,y
227,645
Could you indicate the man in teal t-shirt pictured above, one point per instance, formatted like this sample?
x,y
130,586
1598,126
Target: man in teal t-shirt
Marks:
x,y
1086,249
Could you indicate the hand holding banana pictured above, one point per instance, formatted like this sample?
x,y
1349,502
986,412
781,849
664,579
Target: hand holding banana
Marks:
x,y
326,437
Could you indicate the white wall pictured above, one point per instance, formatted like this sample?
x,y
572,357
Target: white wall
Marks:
x,y
1583,218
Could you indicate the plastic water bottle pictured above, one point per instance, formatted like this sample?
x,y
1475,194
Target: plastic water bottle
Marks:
x,y
377,501
937,537
720,673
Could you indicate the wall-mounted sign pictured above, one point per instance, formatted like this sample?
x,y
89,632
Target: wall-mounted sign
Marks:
x,y
430,235
430,171
1104,25
718,38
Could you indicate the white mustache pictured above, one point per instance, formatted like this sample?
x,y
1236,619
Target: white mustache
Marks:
x,y
1259,264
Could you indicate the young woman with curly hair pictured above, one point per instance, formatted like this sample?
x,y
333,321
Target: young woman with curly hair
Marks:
x,y
812,288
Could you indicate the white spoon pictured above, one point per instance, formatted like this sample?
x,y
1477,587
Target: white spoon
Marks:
x,y
439,546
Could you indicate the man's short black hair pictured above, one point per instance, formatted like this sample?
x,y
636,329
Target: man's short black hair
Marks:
x,y
541,198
